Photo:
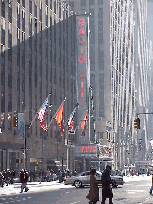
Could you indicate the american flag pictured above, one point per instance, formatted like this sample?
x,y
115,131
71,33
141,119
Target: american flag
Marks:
x,y
42,113
2,117
71,120
9,116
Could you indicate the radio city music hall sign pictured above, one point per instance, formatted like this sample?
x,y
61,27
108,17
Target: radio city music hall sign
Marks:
x,y
82,53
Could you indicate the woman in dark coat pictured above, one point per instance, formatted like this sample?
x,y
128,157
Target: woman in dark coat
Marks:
x,y
93,195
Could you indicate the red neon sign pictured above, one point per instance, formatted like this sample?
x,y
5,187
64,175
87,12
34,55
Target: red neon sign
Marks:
x,y
81,57
88,149
81,22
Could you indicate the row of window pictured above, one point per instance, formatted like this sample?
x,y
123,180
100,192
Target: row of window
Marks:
x,y
21,56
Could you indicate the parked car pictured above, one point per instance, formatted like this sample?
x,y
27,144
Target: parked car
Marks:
x,y
83,179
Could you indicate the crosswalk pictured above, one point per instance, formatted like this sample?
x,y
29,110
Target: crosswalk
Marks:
x,y
15,199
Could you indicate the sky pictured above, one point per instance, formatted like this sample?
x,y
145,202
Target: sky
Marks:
x,y
150,19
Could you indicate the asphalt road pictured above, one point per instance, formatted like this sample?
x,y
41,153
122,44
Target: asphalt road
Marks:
x,y
134,192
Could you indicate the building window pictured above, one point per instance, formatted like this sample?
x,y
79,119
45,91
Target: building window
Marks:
x,y
30,6
100,2
51,4
35,10
23,3
83,2
91,2
54,6
3,9
100,13
10,14
18,16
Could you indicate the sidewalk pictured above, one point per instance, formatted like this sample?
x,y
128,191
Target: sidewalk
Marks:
x,y
137,178
33,187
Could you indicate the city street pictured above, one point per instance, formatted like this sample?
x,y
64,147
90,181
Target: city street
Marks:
x,y
134,191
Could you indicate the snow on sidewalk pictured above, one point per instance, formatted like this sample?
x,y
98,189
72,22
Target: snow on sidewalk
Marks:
x,y
137,178
33,187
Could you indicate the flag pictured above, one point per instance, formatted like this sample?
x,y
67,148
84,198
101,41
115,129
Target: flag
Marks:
x,y
59,115
71,120
42,115
9,116
2,118
83,125
59,118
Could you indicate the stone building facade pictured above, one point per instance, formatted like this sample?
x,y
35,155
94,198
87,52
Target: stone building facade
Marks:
x,y
37,57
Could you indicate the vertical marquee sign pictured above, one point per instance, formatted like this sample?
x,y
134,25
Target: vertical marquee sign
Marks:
x,y
82,73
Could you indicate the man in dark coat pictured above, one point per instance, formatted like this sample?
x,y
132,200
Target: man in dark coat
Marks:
x,y
24,179
106,189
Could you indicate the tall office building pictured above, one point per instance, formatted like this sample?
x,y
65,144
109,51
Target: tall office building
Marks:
x,y
143,52
113,77
37,57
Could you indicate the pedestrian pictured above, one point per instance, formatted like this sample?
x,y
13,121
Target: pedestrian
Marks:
x,y
30,175
40,176
51,174
43,175
24,180
54,176
7,177
75,172
106,188
12,175
48,175
34,174
1,180
93,194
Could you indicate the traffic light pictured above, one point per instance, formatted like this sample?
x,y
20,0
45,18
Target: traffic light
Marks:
x,y
137,123
14,121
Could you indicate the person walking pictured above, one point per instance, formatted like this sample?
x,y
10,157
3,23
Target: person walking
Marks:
x,y
106,188
48,175
7,177
24,180
12,175
93,195
1,180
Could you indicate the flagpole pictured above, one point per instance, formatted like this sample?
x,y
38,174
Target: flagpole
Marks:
x,y
38,112
55,114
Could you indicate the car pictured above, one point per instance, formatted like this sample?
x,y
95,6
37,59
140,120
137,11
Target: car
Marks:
x,y
117,180
83,179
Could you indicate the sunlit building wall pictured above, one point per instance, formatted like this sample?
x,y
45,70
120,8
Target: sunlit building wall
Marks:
x,y
143,50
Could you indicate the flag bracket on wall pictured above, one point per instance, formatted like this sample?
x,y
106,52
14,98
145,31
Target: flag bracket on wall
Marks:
x,y
71,131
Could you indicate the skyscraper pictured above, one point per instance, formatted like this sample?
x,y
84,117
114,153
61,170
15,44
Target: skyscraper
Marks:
x,y
37,57
114,78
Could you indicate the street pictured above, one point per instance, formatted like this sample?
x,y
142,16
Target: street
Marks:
x,y
134,191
